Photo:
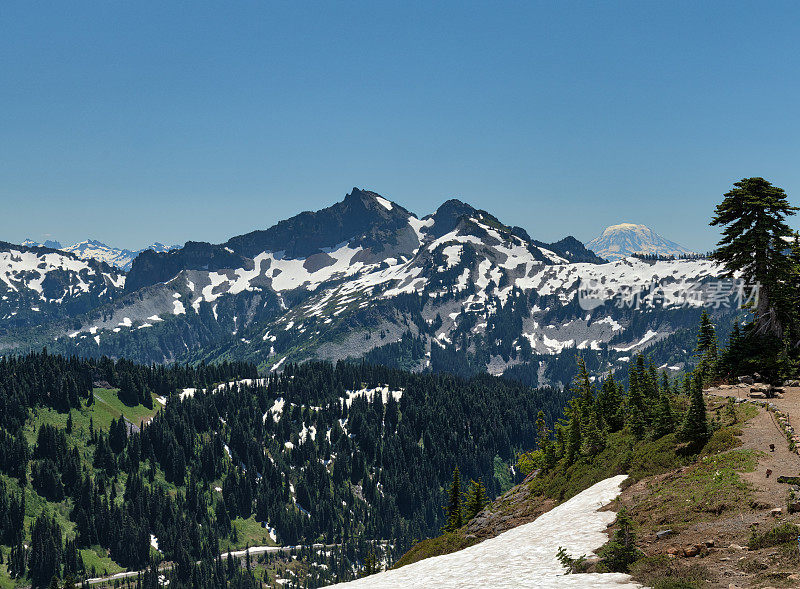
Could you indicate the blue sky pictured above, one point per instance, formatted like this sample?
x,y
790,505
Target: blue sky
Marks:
x,y
148,121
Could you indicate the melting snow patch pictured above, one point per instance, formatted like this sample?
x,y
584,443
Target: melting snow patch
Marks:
x,y
524,556
187,392
275,410
647,337
385,203
370,393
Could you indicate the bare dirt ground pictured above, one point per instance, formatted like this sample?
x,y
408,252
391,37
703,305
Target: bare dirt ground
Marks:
x,y
725,561
764,430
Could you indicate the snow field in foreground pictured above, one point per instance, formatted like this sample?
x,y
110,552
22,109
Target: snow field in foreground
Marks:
x,y
524,556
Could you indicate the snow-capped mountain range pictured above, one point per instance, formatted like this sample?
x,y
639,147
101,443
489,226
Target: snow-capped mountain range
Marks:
x,y
626,239
91,249
362,278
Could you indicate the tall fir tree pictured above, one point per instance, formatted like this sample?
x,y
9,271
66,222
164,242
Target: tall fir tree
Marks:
x,y
754,244
636,416
706,350
455,517
609,405
694,428
476,500
574,441
664,422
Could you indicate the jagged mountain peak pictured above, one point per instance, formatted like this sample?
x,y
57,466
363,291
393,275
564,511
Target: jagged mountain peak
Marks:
x,y
373,201
573,250
625,239
451,213
359,214
48,243
94,249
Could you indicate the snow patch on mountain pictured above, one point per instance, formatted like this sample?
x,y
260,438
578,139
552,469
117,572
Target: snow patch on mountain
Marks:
x,y
524,556
369,394
117,257
91,249
28,269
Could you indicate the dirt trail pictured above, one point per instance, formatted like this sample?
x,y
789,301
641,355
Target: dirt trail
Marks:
x,y
760,432
727,562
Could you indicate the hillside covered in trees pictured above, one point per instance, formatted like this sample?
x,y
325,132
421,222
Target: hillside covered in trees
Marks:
x,y
341,455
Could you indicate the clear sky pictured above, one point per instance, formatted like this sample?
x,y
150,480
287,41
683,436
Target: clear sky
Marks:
x,y
133,122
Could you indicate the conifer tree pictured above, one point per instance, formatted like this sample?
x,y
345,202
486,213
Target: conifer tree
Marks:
x,y
573,448
636,422
694,428
476,500
706,349
636,417
545,444
733,354
455,517
561,440
666,387
664,419
608,404
370,564
582,387
647,381
45,557
621,552
594,440
542,433
754,243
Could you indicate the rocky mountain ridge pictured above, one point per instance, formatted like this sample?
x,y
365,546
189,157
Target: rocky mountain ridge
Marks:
x,y
453,290
92,249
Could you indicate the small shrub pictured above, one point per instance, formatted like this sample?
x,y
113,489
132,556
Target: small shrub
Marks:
x,y
571,565
776,536
662,572
620,552
723,439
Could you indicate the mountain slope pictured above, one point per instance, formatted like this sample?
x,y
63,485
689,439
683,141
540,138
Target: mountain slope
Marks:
x,y
524,556
119,258
39,285
625,239
91,249
456,290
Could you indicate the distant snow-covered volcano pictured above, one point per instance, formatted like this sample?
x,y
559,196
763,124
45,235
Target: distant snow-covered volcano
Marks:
x,y
625,239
